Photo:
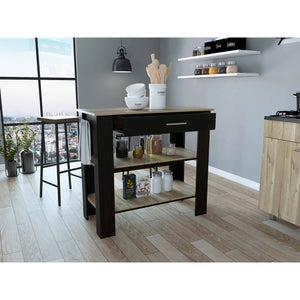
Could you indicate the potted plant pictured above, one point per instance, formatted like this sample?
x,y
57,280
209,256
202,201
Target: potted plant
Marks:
x,y
25,137
9,150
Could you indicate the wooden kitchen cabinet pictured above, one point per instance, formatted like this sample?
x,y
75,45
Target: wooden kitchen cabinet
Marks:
x,y
280,171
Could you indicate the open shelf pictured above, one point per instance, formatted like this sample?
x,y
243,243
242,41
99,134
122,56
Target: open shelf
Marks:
x,y
227,54
180,191
152,160
219,76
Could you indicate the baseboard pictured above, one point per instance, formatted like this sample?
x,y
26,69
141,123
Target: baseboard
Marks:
x,y
238,179
2,167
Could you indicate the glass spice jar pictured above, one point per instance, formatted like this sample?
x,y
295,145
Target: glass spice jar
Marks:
x,y
213,69
171,149
200,50
156,182
121,146
167,180
205,69
137,151
221,67
195,51
231,67
196,71
156,144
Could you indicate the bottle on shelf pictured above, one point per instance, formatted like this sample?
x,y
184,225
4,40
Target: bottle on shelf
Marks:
x,y
231,67
156,144
148,145
167,180
200,50
121,146
198,70
195,51
156,182
142,143
137,151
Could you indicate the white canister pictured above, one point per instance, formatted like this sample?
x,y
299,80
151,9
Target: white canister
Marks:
x,y
156,183
157,96
167,180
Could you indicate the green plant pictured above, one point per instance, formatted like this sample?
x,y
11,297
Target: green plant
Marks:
x,y
11,146
25,137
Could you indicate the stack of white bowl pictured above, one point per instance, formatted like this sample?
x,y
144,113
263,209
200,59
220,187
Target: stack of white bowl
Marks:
x,y
136,96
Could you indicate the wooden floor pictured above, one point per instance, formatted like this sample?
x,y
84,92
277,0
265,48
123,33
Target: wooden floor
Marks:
x,y
233,230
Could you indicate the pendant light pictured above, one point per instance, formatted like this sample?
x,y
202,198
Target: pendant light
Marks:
x,y
121,64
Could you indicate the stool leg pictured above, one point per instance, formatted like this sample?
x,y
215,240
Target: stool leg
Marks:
x,y
68,155
57,164
42,159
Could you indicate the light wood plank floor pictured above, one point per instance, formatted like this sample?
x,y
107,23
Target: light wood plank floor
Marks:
x,y
233,230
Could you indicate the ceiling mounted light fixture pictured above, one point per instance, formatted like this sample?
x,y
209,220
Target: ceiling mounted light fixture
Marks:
x,y
121,64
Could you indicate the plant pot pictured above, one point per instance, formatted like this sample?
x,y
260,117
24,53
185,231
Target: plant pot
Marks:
x,y
11,169
27,160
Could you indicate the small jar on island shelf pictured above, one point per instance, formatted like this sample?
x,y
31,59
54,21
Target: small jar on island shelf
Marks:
x,y
137,151
156,144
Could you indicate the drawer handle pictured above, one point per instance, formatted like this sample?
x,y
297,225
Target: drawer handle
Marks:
x,y
297,150
176,124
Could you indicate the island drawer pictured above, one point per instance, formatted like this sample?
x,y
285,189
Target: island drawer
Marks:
x,y
171,123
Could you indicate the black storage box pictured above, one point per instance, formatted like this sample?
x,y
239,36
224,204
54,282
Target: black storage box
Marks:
x,y
209,47
236,44
220,45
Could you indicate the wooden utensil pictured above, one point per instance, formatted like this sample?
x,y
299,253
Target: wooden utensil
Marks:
x,y
169,71
163,71
155,62
151,71
157,77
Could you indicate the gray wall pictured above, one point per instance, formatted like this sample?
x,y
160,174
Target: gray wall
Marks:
x,y
98,86
240,103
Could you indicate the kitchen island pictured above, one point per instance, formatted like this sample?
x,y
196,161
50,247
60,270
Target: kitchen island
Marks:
x,y
99,195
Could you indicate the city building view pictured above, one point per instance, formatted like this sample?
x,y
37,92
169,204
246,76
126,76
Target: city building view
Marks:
x,y
23,102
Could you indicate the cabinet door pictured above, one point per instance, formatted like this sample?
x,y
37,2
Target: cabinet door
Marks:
x,y
271,175
290,193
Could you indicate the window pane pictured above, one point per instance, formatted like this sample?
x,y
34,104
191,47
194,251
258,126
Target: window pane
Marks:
x,y
56,57
20,99
59,98
17,57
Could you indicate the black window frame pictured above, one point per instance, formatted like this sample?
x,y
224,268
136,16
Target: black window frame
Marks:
x,y
39,79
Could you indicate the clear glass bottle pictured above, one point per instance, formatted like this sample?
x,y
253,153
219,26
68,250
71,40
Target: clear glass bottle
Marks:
x,y
142,143
231,67
156,144
167,180
148,145
137,151
195,51
221,67
200,50
156,182
213,69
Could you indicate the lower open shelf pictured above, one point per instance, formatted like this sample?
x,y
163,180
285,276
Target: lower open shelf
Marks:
x,y
180,191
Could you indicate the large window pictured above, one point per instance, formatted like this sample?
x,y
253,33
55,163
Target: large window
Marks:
x,y
38,78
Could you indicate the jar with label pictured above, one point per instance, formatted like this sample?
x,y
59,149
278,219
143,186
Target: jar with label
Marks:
x,y
221,67
137,151
167,180
200,50
231,67
195,51
156,144
171,149
156,182
197,70
121,146
213,69
205,69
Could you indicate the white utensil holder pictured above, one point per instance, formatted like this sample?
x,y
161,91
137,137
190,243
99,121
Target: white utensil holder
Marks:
x,y
157,96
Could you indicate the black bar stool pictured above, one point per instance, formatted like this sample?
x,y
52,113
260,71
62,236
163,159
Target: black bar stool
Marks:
x,y
56,120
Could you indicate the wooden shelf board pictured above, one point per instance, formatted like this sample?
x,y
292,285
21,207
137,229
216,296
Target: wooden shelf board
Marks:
x,y
227,54
130,163
180,191
219,76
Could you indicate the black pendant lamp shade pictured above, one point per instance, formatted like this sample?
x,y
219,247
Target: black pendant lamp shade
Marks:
x,y
121,64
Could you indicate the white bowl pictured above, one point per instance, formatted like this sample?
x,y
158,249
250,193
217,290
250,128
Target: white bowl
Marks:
x,y
135,89
140,94
136,103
